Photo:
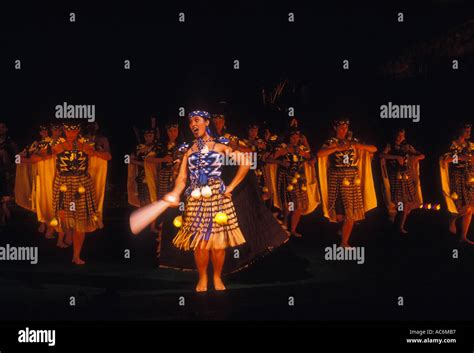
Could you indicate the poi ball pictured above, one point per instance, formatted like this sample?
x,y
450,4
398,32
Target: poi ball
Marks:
x,y
178,221
304,188
221,218
421,206
206,192
54,222
196,194
265,189
357,181
297,175
428,206
407,177
63,188
346,182
399,176
471,180
259,172
454,196
437,207
290,188
295,158
294,181
81,189
95,218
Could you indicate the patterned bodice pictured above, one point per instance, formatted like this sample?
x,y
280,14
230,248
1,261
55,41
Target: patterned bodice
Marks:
x,y
342,159
295,160
204,166
143,151
72,162
404,150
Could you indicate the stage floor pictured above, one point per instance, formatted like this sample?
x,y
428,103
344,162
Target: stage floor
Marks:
x,y
418,267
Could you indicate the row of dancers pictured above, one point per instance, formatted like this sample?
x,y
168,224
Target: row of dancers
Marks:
x,y
62,178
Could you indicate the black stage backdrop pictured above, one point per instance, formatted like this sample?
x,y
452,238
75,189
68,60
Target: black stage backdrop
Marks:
x,y
191,65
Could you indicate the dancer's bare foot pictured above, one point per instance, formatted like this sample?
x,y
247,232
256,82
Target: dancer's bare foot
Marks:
x,y
465,240
62,245
452,227
403,231
78,261
218,285
202,285
296,234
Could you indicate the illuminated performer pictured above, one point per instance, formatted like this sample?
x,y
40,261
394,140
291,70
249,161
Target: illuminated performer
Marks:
x,y
8,151
296,189
75,202
345,179
168,158
25,178
457,181
215,218
143,173
401,178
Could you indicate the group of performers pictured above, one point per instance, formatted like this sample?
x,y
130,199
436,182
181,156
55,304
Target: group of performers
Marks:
x,y
61,177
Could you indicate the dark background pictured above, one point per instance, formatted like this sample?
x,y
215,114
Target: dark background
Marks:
x,y
191,65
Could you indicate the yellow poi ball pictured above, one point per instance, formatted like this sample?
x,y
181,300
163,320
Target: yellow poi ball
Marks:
x,y
81,189
290,188
295,158
357,181
428,206
54,222
178,221
304,188
471,180
221,218
95,218
265,189
63,188
297,175
399,176
407,177
454,196
346,182
294,180
437,207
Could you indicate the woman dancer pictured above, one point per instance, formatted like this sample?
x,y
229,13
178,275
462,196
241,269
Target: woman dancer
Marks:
x,y
401,178
292,182
74,195
345,177
457,181
212,219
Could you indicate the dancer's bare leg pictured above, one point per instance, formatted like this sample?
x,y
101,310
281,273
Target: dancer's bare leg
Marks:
x,y
42,227
295,219
77,242
452,224
60,243
403,220
218,257
201,256
466,221
346,232
49,232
